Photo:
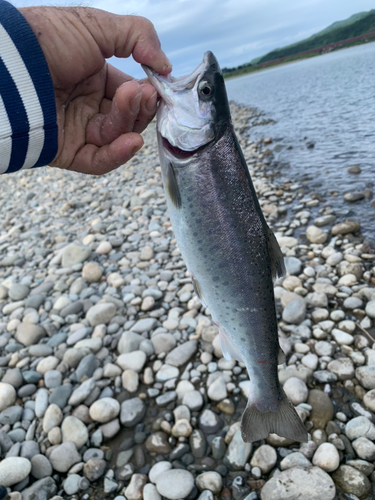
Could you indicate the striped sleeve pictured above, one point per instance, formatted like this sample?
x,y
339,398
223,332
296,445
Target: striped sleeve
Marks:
x,y
28,128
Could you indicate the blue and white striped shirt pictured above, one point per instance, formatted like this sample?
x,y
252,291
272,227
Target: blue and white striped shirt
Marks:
x,y
28,128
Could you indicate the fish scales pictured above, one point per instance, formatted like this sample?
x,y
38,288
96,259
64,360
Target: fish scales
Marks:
x,y
230,252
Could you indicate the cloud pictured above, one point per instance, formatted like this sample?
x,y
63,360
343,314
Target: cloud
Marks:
x,y
235,30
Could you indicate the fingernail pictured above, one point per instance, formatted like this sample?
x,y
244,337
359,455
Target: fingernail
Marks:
x,y
134,103
151,102
135,150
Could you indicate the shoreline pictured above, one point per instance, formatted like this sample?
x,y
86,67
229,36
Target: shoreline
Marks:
x,y
245,73
117,368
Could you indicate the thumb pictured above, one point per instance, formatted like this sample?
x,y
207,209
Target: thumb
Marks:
x,y
122,36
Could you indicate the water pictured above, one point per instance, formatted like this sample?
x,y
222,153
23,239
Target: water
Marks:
x,y
327,100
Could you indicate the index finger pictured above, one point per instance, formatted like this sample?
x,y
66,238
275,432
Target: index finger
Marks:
x,y
122,36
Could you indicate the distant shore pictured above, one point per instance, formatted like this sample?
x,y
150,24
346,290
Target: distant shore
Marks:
x,y
288,60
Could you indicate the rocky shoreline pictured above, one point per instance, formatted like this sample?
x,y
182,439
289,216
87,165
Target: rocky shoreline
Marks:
x,y
113,384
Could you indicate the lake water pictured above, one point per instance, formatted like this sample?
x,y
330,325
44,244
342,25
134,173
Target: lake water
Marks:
x,y
328,100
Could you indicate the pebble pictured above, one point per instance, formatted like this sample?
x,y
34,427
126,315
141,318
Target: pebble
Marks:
x,y
64,456
296,390
14,470
264,457
352,481
104,410
326,457
73,430
175,484
120,347
211,481
305,484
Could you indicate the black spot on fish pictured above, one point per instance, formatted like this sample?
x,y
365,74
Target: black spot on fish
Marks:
x,y
198,221
225,283
243,339
234,310
199,241
216,278
195,234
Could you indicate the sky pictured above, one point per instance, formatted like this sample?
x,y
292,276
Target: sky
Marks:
x,y
236,31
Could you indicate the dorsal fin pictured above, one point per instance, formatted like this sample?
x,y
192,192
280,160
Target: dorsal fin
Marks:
x,y
172,186
276,257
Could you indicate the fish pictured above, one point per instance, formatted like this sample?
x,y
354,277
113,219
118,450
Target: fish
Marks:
x,y
230,252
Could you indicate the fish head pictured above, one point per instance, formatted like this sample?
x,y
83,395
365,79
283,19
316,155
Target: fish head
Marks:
x,y
194,109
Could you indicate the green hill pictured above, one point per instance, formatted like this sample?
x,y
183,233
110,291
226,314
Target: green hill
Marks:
x,y
357,25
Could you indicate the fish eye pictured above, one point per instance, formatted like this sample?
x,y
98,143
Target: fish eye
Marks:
x,y
205,89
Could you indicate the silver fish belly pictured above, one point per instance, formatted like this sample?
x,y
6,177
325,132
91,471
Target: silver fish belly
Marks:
x,y
231,254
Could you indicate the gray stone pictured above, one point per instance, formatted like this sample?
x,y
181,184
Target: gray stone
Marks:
x,y
14,470
209,422
163,342
370,309
144,325
101,313
295,311
82,392
360,427
29,334
129,342
343,368
94,468
104,410
40,467
322,408
352,481
265,457
238,452
60,395
132,361
75,431
175,484
327,457
74,254
17,291
293,265
132,412
43,489
64,456
301,484
52,379
182,354
366,376
29,449
71,484
364,448
211,481
11,415
13,376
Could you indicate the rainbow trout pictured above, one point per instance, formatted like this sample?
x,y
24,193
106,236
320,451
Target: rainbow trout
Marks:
x,y
230,252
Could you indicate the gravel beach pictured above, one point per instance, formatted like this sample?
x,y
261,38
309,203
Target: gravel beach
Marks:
x,y
113,383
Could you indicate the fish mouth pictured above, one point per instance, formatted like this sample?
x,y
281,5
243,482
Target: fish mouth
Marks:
x,y
161,83
178,153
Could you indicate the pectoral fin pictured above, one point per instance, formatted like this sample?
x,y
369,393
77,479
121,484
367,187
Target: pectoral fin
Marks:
x,y
172,186
228,349
276,257
197,289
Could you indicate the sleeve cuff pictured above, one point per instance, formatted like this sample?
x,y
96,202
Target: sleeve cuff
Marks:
x,y
28,128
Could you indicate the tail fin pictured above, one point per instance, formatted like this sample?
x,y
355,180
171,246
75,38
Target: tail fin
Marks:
x,y
285,422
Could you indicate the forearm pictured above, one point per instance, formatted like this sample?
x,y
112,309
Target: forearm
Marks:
x,y
28,129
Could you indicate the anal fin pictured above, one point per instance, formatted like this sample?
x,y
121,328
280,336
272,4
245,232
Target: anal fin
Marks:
x,y
276,256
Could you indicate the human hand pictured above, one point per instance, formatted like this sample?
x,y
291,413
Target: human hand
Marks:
x,y
101,111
